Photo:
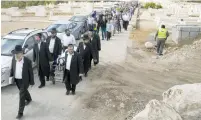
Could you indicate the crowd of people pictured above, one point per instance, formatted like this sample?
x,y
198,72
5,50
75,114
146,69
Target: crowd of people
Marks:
x,y
77,63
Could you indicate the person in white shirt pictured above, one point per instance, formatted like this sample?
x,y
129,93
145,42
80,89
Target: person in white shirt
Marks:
x,y
73,69
90,22
22,73
125,21
68,38
55,48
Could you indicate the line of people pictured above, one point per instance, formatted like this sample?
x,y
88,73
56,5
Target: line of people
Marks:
x,y
45,55
76,64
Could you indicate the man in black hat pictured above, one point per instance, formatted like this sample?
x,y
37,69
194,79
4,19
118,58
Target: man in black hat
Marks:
x,y
55,48
96,46
85,50
73,69
22,73
41,56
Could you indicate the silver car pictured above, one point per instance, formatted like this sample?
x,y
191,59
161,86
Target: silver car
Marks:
x,y
24,37
62,25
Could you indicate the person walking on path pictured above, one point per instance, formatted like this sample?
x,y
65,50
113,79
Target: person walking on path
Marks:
x,y
103,23
55,48
22,73
96,46
90,22
73,69
68,38
109,30
161,35
126,19
85,50
41,56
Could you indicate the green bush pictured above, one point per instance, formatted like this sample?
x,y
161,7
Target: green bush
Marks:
x,y
152,5
23,4
159,6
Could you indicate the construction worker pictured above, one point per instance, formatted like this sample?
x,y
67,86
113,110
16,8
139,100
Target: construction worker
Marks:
x,y
162,35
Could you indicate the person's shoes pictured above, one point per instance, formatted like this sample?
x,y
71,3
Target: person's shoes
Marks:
x,y
47,79
41,86
85,74
27,102
19,116
160,54
73,92
68,92
53,80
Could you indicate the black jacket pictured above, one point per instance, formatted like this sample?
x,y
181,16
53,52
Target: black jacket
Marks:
x,y
76,68
27,72
86,54
96,46
42,57
57,46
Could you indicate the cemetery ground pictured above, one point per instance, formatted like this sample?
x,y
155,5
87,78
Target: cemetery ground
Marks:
x,y
118,88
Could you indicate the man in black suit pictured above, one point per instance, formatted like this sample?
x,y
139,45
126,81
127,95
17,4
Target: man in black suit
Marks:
x,y
55,48
85,50
42,57
73,69
22,73
96,46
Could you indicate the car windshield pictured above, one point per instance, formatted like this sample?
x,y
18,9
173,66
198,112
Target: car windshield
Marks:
x,y
59,27
78,18
7,45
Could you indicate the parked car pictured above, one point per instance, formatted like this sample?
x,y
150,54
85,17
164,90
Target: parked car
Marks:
x,y
61,26
24,37
81,20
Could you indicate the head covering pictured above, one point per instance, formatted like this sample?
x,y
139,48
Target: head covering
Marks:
x,y
18,49
54,30
85,37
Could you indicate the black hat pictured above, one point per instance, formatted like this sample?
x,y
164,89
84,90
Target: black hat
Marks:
x,y
85,37
54,30
18,49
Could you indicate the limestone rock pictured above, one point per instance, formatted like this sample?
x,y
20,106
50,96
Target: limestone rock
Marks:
x,y
157,110
149,45
185,99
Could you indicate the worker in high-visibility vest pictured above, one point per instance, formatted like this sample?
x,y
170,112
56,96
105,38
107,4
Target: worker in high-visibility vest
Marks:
x,y
161,35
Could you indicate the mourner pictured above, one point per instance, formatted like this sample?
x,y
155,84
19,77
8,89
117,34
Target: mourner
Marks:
x,y
85,50
55,49
73,69
68,38
41,56
96,46
22,73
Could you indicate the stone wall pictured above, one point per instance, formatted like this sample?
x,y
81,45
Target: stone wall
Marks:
x,y
182,34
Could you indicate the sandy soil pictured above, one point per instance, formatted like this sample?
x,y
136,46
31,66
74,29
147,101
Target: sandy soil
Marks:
x,y
118,88
6,27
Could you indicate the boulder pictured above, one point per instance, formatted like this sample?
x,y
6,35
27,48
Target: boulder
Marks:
x,y
157,110
185,99
149,45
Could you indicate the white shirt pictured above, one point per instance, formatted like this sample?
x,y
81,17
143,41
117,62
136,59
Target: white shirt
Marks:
x,y
68,40
68,62
51,46
39,45
84,46
90,20
18,69
125,17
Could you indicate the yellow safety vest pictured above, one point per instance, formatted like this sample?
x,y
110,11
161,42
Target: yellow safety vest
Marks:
x,y
162,33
